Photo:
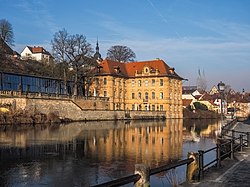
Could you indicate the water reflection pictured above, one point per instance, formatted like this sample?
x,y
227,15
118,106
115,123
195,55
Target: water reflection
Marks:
x,y
84,154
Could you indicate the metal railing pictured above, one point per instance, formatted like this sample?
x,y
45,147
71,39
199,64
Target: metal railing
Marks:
x,y
135,177
231,145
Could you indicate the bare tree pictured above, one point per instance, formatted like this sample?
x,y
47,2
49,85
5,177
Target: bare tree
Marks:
x,y
121,54
6,32
75,51
59,45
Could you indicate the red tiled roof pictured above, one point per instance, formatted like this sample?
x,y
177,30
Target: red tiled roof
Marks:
x,y
113,67
186,102
38,50
131,68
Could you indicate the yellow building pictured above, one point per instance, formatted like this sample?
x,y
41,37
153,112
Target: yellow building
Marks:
x,y
148,85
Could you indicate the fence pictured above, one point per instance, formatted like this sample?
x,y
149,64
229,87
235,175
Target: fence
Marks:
x,y
224,148
143,173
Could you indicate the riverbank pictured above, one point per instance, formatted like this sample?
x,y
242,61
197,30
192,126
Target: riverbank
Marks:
x,y
30,117
200,114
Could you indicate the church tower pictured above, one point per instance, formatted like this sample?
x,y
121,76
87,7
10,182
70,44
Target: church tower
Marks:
x,y
97,55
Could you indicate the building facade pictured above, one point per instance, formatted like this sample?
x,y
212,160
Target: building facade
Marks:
x,y
36,53
148,85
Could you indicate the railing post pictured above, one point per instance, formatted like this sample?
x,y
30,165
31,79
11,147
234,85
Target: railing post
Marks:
x,y
218,151
201,163
144,172
192,173
232,149
233,135
241,142
248,139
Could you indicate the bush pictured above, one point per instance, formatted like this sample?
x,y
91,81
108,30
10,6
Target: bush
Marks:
x,y
200,106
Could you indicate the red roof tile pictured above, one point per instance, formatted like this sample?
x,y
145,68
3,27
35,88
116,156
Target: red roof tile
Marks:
x,y
131,68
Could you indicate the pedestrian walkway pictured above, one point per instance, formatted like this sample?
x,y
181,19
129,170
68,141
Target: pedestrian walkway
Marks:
x,y
232,173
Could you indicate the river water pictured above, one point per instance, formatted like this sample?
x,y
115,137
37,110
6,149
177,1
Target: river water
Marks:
x,y
86,154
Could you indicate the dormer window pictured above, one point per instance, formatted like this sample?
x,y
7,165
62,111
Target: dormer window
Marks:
x,y
146,70
99,69
117,69
171,70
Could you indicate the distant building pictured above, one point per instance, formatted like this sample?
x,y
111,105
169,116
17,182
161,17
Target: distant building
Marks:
x,y
214,90
36,53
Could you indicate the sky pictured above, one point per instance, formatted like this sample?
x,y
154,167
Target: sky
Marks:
x,y
210,36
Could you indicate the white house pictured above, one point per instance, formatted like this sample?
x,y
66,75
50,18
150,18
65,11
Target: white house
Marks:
x,y
36,53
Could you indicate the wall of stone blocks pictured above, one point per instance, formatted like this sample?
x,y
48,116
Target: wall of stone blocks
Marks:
x,y
68,109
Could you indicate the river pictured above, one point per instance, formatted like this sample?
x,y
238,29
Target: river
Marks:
x,y
86,154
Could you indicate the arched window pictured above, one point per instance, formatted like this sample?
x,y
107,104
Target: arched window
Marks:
x,y
146,95
139,95
153,95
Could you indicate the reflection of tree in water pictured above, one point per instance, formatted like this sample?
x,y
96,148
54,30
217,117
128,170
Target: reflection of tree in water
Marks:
x,y
200,124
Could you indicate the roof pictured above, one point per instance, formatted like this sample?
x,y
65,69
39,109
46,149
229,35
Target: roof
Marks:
x,y
113,68
38,50
5,48
132,69
186,102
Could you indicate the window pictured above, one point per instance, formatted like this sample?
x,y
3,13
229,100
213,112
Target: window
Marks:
x,y
139,83
161,95
161,107
146,82
153,107
153,82
133,107
161,82
132,83
105,93
133,95
97,81
105,81
153,95
139,107
146,95
139,95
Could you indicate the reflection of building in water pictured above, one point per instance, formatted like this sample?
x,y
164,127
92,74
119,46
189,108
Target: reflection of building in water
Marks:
x,y
150,144
211,130
196,129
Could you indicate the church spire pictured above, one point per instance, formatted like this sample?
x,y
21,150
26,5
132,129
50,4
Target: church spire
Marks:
x,y
97,54
97,46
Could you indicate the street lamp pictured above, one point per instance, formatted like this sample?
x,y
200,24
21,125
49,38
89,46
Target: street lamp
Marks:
x,y
221,88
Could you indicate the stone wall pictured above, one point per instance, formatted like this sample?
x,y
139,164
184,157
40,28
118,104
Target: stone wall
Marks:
x,y
69,109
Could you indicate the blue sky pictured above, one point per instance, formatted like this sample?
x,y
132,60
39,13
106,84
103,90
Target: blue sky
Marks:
x,y
210,35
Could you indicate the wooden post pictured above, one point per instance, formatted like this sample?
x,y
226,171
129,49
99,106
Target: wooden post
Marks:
x,y
144,172
192,174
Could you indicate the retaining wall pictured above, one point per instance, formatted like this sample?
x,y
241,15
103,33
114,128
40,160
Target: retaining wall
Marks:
x,y
68,109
